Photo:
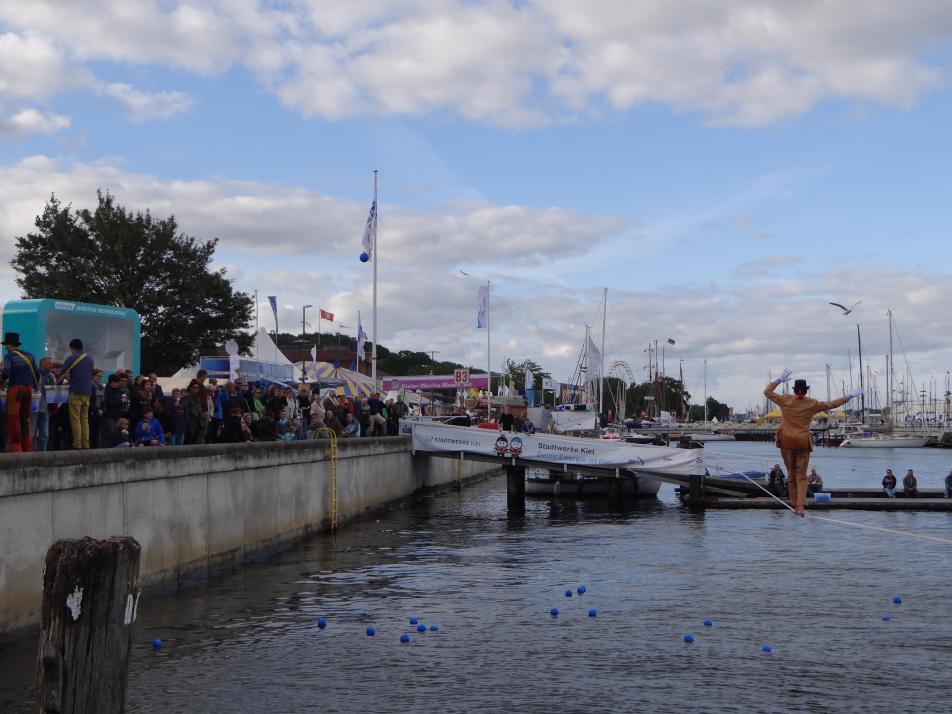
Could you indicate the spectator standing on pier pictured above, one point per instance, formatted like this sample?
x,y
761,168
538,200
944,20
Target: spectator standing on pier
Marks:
x,y
910,487
378,424
197,409
78,368
20,376
889,484
948,485
41,422
814,483
95,409
506,420
793,436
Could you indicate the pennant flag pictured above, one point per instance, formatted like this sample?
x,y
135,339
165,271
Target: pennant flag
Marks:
x,y
273,299
530,380
325,315
670,341
482,311
361,339
369,232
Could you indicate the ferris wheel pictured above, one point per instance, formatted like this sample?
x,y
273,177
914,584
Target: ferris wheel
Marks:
x,y
621,371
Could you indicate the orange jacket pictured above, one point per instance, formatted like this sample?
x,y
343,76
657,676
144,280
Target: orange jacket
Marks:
x,y
796,414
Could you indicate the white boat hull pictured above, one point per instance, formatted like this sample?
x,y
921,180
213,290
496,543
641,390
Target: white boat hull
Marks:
x,y
886,442
701,438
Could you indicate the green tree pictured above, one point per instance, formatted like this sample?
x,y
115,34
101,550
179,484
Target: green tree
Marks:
x,y
111,256
651,397
516,374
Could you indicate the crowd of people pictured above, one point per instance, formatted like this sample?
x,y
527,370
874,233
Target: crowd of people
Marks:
x,y
135,411
777,483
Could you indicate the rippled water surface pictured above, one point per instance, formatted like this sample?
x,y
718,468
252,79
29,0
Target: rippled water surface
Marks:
x,y
815,592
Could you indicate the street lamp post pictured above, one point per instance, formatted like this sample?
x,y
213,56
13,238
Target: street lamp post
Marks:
x,y
303,333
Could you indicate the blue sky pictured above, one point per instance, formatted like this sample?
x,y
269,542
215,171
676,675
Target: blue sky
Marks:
x,y
723,172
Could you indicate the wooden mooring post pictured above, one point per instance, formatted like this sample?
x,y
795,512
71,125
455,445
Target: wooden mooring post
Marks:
x,y
696,491
90,601
516,490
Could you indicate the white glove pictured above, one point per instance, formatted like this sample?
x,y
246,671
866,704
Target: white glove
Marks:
x,y
856,393
784,376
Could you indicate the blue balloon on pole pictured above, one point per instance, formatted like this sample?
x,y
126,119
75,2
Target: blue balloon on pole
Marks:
x,y
364,257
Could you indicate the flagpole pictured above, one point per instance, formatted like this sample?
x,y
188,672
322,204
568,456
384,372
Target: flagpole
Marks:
x,y
489,360
256,323
374,347
601,367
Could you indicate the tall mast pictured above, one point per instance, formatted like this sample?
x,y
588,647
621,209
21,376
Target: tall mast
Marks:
x,y
601,367
889,374
862,396
705,391
373,357
489,356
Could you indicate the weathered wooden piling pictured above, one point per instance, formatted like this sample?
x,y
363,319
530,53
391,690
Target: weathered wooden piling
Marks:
x,y
696,490
90,600
516,489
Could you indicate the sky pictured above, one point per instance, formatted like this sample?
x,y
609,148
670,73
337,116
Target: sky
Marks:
x,y
725,169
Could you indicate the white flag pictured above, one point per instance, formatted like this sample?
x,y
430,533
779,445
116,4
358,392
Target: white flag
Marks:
x,y
314,353
482,312
594,362
530,380
370,231
550,384
361,339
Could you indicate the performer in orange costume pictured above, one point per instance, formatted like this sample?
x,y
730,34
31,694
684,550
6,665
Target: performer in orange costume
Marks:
x,y
793,437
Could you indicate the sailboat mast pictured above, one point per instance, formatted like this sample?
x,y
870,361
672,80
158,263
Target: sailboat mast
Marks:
x,y
601,367
862,396
889,374
705,391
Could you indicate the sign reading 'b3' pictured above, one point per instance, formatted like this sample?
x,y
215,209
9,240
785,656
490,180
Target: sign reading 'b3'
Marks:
x,y
461,377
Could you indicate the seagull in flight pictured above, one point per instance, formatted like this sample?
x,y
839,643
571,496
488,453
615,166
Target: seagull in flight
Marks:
x,y
846,310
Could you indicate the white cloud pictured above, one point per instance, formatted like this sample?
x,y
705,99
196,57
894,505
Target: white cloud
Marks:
x,y
745,62
32,121
145,106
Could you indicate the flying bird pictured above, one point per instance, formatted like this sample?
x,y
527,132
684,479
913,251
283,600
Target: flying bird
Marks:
x,y
846,310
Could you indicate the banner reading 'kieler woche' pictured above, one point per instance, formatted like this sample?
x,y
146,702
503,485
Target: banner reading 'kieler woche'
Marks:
x,y
433,436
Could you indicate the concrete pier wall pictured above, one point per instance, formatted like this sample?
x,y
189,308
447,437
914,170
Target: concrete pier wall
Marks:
x,y
193,507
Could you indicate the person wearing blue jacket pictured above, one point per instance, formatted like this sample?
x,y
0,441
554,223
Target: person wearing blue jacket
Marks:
x,y
149,430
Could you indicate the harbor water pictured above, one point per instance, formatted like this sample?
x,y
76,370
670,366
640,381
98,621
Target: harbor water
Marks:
x,y
816,593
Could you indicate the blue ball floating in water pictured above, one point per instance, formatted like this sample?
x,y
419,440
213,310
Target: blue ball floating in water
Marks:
x,y
404,637
364,257
554,612
766,648
897,600
708,623
581,590
413,621
433,628
371,632
689,638
421,627
156,644
321,622
568,593
593,612
886,618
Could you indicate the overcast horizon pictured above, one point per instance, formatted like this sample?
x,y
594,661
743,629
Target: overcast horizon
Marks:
x,y
726,170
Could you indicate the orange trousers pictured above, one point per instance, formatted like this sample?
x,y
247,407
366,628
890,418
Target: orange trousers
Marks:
x,y
796,461
19,424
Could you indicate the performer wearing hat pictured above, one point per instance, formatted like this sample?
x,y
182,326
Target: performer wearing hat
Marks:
x,y
793,437
20,374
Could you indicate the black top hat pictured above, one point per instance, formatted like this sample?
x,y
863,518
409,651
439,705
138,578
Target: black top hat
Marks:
x,y
76,343
800,385
12,338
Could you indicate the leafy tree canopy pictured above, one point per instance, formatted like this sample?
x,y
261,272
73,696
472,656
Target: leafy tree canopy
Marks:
x,y
516,373
112,256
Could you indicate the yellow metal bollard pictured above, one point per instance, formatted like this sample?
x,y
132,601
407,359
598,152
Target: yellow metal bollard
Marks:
x,y
331,453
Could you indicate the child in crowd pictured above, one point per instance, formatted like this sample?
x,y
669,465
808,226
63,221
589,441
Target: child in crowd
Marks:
x,y
122,438
149,430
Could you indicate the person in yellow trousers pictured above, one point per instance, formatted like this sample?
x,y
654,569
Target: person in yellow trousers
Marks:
x,y
793,437
78,368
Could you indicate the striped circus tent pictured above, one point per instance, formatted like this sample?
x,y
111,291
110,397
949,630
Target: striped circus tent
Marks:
x,y
352,383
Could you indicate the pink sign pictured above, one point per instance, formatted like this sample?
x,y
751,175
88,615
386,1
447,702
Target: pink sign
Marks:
x,y
432,381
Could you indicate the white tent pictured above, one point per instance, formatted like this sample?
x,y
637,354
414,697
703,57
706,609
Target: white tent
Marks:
x,y
263,349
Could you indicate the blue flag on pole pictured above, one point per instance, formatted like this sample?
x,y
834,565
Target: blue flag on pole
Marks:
x,y
369,231
273,299
482,311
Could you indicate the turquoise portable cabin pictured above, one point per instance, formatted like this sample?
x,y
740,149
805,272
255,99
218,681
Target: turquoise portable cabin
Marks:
x,y
110,334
